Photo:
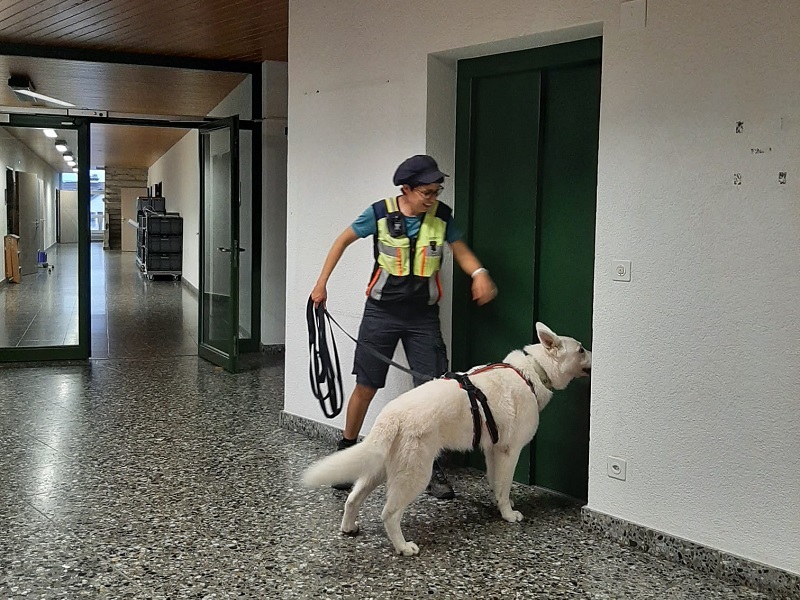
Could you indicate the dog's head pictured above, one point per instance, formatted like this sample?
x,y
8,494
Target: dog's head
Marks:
x,y
564,358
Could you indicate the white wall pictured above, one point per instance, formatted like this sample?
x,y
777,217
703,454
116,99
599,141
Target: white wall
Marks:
x,y
179,170
695,381
16,155
273,218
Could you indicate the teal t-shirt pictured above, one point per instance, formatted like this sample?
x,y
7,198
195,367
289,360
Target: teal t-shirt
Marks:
x,y
366,225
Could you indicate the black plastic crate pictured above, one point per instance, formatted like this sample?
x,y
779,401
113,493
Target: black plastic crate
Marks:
x,y
164,244
156,203
164,262
164,224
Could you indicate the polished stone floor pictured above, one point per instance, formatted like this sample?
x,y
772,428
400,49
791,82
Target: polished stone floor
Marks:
x,y
166,478
134,317
129,313
42,310
151,474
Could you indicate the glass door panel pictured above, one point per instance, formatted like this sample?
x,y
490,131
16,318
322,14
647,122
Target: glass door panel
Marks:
x,y
219,243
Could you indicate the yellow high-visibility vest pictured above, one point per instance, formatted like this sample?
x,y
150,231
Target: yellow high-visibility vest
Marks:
x,y
393,254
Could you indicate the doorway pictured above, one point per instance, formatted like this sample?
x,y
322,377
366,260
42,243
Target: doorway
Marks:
x,y
178,233
243,249
526,178
46,302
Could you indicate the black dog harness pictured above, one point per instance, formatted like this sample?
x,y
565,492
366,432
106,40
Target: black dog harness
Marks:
x,y
476,397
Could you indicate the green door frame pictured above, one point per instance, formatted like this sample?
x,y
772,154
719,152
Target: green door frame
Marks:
x,y
569,54
82,350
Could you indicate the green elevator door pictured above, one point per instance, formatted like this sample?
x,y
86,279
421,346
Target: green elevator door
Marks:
x,y
526,157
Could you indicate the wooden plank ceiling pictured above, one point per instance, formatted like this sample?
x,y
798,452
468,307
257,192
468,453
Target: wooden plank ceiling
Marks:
x,y
248,30
112,145
242,30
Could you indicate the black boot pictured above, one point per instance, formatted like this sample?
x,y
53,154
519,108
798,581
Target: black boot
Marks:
x,y
344,444
439,487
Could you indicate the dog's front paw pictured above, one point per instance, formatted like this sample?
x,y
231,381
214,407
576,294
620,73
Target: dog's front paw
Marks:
x,y
350,530
408,549
513,516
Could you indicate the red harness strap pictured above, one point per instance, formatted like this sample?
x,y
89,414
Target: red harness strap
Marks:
x,y
501,365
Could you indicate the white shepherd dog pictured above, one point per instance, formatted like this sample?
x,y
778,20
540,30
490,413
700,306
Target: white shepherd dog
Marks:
x,y
411,431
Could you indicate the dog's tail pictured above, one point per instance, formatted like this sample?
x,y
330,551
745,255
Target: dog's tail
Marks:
x,y
347,466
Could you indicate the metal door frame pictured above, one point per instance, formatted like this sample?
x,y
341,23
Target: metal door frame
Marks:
x,y
83,349
210,353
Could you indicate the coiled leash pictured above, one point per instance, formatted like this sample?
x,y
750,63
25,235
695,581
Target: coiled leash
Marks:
x,y
326,374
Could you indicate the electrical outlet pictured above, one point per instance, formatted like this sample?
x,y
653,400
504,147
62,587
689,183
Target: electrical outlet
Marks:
x,y
621,270
617,468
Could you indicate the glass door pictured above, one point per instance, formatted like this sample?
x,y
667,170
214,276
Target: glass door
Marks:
x,y
44,289
219,243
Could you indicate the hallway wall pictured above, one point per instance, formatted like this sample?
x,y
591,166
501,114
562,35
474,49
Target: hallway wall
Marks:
x,y
16,155
179,171
116,179
696,359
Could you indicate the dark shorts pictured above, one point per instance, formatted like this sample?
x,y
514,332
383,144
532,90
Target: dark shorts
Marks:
x,y
382,327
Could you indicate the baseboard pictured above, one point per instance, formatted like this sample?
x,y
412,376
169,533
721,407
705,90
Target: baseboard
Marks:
x,y
192,290
309,428
273,349
726,567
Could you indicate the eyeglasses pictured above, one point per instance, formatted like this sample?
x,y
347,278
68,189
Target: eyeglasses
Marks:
x,y
428,194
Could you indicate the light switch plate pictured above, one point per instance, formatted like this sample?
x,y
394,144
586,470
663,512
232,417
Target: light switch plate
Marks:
x,y
621,270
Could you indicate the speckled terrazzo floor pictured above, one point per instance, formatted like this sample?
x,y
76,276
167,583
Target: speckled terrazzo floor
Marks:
x,y
168,479
146,473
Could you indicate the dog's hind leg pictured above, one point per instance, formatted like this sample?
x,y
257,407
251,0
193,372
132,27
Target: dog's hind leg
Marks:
x,y
401,491
504,461
362,488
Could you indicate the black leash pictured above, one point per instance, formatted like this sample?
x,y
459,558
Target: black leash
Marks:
x,y
326,374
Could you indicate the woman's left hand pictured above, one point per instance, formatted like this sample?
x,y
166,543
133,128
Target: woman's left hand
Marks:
x,y
483,288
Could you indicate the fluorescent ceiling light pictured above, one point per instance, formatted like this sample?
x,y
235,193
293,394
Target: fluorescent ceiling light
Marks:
x,y
21,85
51,133
68,156
61,145
74,169
44,98
72,163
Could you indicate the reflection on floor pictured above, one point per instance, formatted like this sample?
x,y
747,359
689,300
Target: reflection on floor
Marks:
x,y
134,317
131,316
42,310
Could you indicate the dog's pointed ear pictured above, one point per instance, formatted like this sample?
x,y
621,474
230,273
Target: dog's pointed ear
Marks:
x,y
547,336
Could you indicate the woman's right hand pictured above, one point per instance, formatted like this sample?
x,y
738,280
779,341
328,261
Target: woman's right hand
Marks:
x,y
319,294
